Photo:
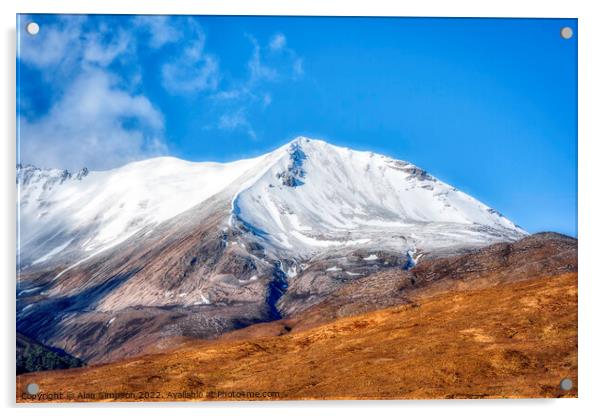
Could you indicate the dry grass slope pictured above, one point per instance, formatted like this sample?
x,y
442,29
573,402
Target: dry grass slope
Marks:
x,y
513,339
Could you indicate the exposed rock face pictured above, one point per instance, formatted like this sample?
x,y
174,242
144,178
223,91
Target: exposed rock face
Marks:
x,y
182,281
543,254
294,174
538,254
326,274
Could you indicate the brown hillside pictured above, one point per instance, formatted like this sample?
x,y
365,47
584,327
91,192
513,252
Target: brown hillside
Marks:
x,y
512,339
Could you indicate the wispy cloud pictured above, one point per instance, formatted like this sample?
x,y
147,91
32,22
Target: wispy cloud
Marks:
x,y
236,120
104,51
298,67
258,70
159,29
267,66
277,42
194,70
57,47
267,99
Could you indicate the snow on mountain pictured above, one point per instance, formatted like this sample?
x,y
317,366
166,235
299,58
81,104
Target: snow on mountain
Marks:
x,y
98,210
319,196
302,198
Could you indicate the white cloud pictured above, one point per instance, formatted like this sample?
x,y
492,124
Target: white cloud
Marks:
x,y
96,119
88,127
236,120
159,29
277,42
265,70
99,120
54,45
233,94
191,77
62,48
194,70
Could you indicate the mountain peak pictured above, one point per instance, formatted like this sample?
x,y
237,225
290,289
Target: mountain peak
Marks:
x,y
306,142
315,195
303,197
302,139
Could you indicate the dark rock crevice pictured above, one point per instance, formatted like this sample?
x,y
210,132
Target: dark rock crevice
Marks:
x,y
276,289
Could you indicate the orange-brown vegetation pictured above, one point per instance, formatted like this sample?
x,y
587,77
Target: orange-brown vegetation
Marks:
x,y
508,339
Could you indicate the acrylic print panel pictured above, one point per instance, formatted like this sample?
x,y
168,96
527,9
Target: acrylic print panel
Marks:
x,y
285,208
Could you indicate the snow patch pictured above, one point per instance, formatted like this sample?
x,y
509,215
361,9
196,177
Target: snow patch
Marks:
x,y
33,289
203,301
291,271
310,241
52,252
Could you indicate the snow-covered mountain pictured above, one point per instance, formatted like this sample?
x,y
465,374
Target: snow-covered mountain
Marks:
x,y
110,262
303,198
317,196
89,212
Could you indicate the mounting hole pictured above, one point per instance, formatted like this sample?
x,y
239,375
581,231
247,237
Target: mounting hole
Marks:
x,y
32,388
32,28
566,384
566,32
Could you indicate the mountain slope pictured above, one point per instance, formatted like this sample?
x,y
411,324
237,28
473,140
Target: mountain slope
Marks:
x,y
91,211
516,339
327,197
541,254
110,262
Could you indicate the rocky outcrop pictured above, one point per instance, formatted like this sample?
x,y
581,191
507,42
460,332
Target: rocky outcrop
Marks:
x,y
294,173
536,256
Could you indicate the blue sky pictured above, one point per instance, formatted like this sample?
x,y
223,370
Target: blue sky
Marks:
x,y
487,105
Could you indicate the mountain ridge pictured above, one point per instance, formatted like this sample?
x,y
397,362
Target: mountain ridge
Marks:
x,y
179,248
139,207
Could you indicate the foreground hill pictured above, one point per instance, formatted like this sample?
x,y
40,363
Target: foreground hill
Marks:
x,y
509,339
